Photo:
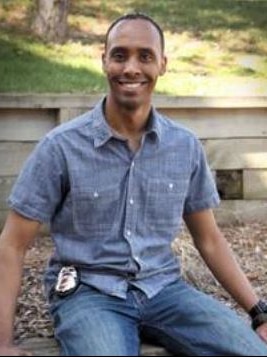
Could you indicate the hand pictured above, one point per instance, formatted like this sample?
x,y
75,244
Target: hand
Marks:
x,y
13,351
262,332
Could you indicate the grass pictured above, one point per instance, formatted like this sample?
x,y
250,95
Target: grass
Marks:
x,y
215,47
36,67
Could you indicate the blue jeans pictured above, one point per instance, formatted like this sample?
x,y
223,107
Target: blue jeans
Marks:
x,y
180,318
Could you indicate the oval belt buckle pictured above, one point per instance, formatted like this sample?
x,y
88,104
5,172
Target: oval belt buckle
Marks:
x,y
67,281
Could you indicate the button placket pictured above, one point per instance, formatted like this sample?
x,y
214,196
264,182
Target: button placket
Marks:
x,y
130,219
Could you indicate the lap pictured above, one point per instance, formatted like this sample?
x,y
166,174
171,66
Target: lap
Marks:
x,y
189,321
180,318
89,323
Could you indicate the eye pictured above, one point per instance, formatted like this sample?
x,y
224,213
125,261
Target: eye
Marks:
x,y
146,57
118,56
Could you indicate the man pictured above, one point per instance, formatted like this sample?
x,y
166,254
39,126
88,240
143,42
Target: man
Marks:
x,y
115,185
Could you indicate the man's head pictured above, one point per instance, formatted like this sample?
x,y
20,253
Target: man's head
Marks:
x,y
134,59
137,16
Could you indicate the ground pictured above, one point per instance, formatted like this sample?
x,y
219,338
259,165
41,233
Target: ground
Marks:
x,y
248,241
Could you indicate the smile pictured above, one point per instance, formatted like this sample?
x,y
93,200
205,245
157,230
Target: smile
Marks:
x,y
131,85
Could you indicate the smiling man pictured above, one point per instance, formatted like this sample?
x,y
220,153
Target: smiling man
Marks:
x,y
115,185
133,70
133,60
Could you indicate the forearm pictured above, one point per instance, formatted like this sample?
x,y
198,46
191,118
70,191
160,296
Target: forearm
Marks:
x,y
221,261
10,282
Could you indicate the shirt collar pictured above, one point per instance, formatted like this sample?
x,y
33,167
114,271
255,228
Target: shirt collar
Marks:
x,y
101,130
103,133
154,124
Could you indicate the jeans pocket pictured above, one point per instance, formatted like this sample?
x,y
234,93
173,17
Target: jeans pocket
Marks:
x,y
55,300
164,203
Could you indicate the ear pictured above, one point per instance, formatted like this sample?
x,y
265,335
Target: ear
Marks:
x,y
163,65
104,66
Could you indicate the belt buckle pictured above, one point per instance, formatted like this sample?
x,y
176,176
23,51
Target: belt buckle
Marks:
x,y
67,281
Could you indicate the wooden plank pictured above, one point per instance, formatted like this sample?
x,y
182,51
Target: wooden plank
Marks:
x,y
255,184
41,346
13,156
222,123
38,101
25,124
161,101
241,211
6,184
31,125
67,114
235,154
48,347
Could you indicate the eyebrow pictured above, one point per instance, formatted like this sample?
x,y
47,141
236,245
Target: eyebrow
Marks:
x,y
124,49
118,49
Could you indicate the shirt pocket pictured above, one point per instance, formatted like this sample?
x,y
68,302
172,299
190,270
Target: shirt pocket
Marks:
x,y
164,204
95,210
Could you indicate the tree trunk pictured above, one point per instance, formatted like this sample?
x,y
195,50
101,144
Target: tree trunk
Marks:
x,y
50,22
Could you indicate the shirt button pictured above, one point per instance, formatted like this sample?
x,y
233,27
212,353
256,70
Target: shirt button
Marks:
x,y
128,233
131,201
133,165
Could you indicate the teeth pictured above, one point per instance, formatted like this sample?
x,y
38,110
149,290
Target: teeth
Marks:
x,y
132,85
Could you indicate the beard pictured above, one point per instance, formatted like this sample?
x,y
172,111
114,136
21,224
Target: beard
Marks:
x,y
130,101
129,104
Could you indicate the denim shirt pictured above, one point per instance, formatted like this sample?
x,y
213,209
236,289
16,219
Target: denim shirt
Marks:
x,y
113,213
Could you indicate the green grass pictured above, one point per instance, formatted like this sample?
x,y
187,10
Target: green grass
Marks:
x,y
34,67
215,47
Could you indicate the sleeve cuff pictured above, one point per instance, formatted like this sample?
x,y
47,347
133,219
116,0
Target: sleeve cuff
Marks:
x,y
196,206
28,212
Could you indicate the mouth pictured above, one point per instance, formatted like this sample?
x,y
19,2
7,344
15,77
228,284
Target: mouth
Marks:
x,y
131,85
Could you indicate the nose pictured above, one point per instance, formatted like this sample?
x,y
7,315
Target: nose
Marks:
x,y
132,67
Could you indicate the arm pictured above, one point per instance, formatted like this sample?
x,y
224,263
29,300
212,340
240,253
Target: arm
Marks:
x,y
218,256
15,239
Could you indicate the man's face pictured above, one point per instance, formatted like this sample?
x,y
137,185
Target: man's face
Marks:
x,y
133,61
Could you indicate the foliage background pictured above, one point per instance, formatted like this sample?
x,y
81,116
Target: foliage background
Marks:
x,y
215,47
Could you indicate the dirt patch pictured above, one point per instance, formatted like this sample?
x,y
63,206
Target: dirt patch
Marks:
x,y
247,241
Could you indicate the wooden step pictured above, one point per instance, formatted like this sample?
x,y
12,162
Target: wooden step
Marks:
x,y
48,347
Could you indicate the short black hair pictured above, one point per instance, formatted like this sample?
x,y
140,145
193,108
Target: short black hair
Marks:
x,y
137,16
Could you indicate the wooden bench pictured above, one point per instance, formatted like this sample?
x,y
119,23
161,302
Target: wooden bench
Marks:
x,y
48,347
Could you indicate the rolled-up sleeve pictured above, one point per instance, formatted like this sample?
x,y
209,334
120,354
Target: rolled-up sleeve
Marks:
x,y
38,189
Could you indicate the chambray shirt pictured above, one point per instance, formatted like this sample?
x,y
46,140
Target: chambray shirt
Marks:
x,y
114,213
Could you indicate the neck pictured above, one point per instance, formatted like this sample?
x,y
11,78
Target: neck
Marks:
x,y
128,123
